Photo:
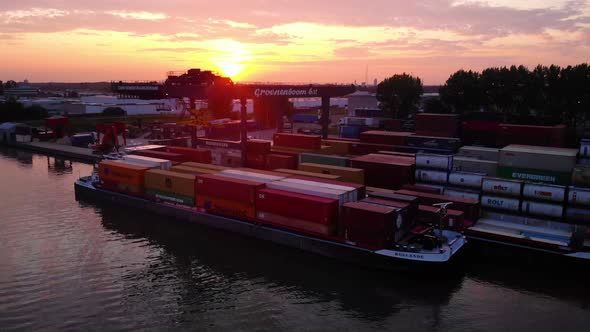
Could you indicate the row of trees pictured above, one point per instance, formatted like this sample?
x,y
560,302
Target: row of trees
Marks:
x,y
553,94
11,110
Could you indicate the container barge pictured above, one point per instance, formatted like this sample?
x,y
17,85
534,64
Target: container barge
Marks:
x,y
423,246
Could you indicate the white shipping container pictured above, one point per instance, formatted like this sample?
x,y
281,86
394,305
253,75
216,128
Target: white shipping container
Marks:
x,y
452,192
542,209
341,196
479,152
148,161
251,176
579,196
431,176
435,161
502,186
465,179
544,192
500,203
353,193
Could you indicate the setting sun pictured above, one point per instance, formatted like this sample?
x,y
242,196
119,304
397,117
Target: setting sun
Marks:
x,y
231,69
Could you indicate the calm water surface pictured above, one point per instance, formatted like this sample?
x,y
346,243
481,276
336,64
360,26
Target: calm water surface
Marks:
x,y
68,265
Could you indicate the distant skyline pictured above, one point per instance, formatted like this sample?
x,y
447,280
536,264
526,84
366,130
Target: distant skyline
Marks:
x,y
285,41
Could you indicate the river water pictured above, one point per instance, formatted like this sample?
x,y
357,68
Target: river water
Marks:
x,y
69,265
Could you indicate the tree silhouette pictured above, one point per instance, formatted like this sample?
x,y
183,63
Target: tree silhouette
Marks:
x,y
462,91
399,95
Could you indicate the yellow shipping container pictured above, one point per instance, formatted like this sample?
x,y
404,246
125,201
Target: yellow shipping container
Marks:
x,y
347,174
169,181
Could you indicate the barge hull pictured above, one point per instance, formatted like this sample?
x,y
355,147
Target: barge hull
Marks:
x,y
340,251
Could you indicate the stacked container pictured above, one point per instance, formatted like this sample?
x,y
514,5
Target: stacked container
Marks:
x,y
537,164
324,159
385,137
257,152
469,207
198,155
370,225
578,208
501,194
297,211
384,171
170,186
174,157
227,196
348,174
543,200
308,174
311,142
448,144
120,176
433,169
148,162
275,160
438,125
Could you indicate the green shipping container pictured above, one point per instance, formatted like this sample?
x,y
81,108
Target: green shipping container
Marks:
x,y
170,197
324,159
533,175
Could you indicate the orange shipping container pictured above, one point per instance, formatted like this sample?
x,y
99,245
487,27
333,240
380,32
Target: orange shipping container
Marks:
x,y
226,207
119,172
192,170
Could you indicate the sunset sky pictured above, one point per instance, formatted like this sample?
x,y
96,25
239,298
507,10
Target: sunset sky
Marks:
x,y
288,41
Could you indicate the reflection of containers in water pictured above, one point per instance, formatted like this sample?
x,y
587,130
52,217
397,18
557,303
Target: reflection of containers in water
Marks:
x,y
431,176
577,214
148,162
544,192
502,186
434,161
466,179
578,196
542,209
500,203
465,164
461,193
479,152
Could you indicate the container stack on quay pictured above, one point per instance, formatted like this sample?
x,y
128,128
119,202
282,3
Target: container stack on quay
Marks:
x,y
385,171
437,125
432,170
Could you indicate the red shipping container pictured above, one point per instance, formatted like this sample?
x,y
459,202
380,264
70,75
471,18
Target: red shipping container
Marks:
x,y
299,206
441,125
311,142
470,207
384,171
258,146
226,207
275,161
227,188
256,160
422,189
385,137
260,171
369,224
175,157
294,224
197,155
